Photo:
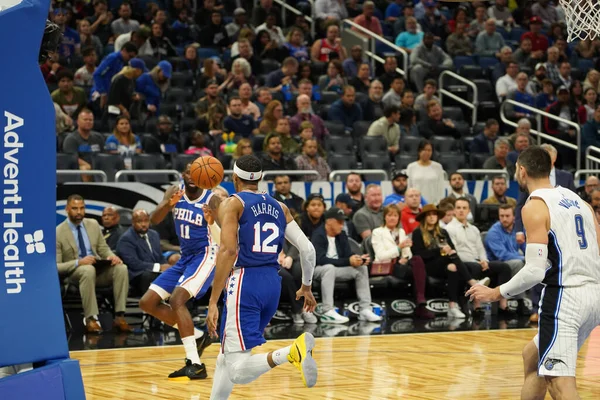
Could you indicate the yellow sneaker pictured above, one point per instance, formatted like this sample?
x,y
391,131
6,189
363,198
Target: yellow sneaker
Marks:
x,y
301,357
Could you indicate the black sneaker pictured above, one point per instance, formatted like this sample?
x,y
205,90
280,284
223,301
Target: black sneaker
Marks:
x,y
202,343
189,372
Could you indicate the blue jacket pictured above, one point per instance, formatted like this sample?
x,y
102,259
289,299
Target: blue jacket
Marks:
x,y
395,198
501,245
590,135
135,253
480,144
347,116
145,85
108,68
321,244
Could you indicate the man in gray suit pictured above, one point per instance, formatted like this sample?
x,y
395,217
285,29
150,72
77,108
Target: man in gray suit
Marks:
x,y
80,247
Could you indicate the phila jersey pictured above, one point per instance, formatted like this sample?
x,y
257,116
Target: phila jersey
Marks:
x,y
573,254
190,225
261,231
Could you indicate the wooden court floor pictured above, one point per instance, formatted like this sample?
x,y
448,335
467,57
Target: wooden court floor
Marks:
x,y
449,365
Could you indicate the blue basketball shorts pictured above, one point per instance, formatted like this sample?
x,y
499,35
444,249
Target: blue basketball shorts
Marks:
x,y
192,273
251,300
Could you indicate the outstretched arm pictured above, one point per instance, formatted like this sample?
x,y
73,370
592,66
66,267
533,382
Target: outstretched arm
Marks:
x,y
171,197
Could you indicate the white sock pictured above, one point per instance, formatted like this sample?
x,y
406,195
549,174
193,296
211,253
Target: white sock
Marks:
x,y
191,352
280,356
197,332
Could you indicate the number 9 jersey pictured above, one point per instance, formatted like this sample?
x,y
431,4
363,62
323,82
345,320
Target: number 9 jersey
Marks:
x,y
261,232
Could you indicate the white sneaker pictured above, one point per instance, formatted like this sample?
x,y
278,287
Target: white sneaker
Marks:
x,y
333,317
454,312
297,318
485,281
309,317
368,315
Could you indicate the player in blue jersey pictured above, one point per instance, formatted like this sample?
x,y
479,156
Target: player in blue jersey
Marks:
x,y
253,229
192,275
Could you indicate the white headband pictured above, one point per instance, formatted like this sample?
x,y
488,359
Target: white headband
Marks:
x,y
245,175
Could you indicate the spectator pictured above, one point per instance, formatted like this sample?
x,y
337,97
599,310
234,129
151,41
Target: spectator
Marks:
x,y
564,75
100,21
295,44
63,122
275,32
311,160
240,21
432,21
305,87
267,48
312,218
345,110
242,125
139,37
460,17
535,82
434,124
539,41
546,12
121,95
124,24
241,72
393,11
273,113
477,25
369,216
108,68
427,175
547,97
552,71
70,46
160,45
343,201
427,61
84,76
521,142
586,110
245,51
399,186
243,148
592,79
387,126
305,132
501,245
484,142
273,157
50,68
587,49
499,160
332,43
211,72
211,97
521,95
259,14
283,193
330,10
434,246
408,124
428,94
285,76
112,230
288,145
354,188
164,140
353,63
248,107
508,82
389,72
471,251
334,80
407,12
407,99
595,199
79,245
499,196
458,43
390,242
87,40
506,57
154,84
591,183
489,42
84,142
362,81
197,146
368,20
411,209
501,14
411,37
457,184
123,141
305,115
590,133
394,96
335,260
183,30
70,99
448,209
524,56
372,106
563,107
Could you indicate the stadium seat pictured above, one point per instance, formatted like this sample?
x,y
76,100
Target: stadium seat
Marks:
x,y
328,97
324,111
459,61
258,143
170,109
270,65
486,215
577,74
360,129
150,61
409,145
182,79
466,144
67,161
179,64
516,33
503,32
181,160
204,52
150,161
109,163
462,127
375,161
477,160
486,91
445,145
376,145
342,161
478,128
454,113
151,125
179,95
402,160
187,124
338,145
335,128
452,162
471,72
486,62
487,110
584,65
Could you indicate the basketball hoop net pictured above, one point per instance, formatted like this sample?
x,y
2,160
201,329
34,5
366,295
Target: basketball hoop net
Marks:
x,y
583,19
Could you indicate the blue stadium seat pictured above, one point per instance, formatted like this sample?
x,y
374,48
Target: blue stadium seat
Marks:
x,y
516,33
486,62
585,65
471,71
459,61
204,53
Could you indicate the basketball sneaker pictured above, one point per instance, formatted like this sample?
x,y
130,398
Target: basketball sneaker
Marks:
x,y
332,317
189,372
367,314
485,281
301,357
202,343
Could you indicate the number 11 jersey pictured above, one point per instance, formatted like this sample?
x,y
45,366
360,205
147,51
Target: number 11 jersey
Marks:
x,y
190,225
261,231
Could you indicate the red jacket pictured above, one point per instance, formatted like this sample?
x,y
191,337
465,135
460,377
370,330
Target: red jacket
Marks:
x,y
538,42
409,221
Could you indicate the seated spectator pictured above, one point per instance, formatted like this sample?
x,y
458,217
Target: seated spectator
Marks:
x,y
489,42
521,142
407,12
273,113
334,80
477,25
447,208
84,142
546,96
89,40
457,184
590,133
124,24
338,262
595,199
552,66
154,84
564,108
213,122
428,94
49,70
79,245
460,17
305,115
535,81
343,201
283,193
499,160
112,230
121,94
305,132
411,37
353,63
393,11
288,144
499,70
390,242
63,123
305,87
240,21
586,110
408,122
412,207
407,100
70,99
295,45
245,51
458,43
539,41
564,75
285,76
587,48
311,160
164,141
368,20
434,246
137,37
241,72
592,80
546,12
501,14
123,141
270,26
312,217
399,186
211,97
331,44
160,45
214,35
387,126
197,146
508,82
432,21
389,72
372,106
501,245
265,47
354,188
345,110
434,124
273,157
524,56
211,72
242,125
70,46
259,14
394,96
243,148
248,107
84,76
521,95
591,182
484,142
427,175
101,20
362,81
427,61
499,196
369,216
140,248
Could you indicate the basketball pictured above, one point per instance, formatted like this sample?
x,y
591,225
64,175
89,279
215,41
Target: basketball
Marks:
x,y
206,172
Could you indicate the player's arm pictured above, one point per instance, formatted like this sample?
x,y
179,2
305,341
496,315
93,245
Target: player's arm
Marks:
x,y
211,212
171,197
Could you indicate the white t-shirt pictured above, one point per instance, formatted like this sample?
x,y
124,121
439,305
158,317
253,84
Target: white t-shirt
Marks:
x,y
331,249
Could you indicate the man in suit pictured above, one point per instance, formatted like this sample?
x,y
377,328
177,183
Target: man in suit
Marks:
x,y
79,247
140,248
557,178
484,142
112,229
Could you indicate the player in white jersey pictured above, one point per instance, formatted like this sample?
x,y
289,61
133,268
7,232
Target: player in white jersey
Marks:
x,y
562,253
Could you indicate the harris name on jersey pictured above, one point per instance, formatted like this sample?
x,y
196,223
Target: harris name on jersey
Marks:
x,y
264,208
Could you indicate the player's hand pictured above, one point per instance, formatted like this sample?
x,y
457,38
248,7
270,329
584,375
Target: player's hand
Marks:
x,y
483,293
520,238
309,300
212,319
87,260
114,260
171,194
208,217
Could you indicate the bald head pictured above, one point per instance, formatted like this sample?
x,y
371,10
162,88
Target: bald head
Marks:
x,y
303,104
412,198
110,217
140,221
591,183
